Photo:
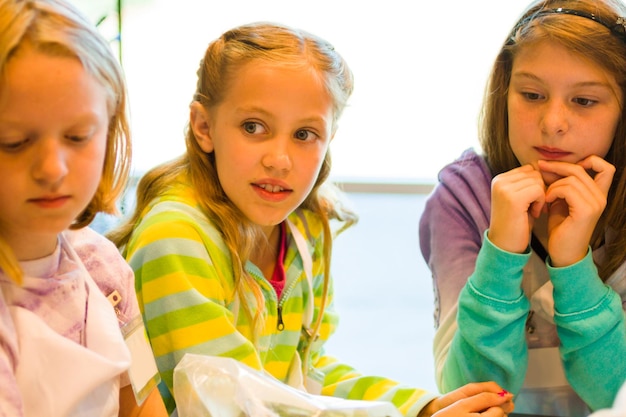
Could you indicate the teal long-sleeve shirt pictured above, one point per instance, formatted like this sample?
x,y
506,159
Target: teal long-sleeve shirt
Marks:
x,y
483,297
491,341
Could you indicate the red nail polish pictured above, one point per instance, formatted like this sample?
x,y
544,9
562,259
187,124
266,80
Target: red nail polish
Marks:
x,y
503,393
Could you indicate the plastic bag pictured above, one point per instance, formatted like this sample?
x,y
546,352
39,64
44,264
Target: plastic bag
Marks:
x,y
211,386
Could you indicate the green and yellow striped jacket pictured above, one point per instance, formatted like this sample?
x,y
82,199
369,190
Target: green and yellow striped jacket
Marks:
x,y
184,283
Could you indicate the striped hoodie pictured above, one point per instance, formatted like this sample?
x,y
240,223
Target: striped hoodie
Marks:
x,y
185,285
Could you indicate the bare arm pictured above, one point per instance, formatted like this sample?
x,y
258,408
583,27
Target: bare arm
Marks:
x,y
152,407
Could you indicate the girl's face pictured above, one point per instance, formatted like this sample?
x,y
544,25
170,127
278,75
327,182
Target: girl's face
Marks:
x,y
270,135
53,135
561,106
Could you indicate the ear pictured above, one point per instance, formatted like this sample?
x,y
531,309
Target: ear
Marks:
x,y
200,125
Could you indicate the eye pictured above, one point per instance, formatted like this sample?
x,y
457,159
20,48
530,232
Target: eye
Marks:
x,y
253,128
76,139
532,96
585,102
14,146
304,134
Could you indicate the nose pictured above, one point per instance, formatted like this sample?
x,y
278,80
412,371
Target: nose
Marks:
x,y
555,118
50,162
277,156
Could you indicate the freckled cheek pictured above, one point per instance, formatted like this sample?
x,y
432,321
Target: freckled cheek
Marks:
x,y
602,151
601,141
517,142
523,125
513,124
520,118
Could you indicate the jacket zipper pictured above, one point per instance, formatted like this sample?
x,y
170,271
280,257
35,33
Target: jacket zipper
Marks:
x,y
280,324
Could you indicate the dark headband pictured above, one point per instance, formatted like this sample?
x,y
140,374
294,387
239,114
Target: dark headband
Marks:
x,y
617,28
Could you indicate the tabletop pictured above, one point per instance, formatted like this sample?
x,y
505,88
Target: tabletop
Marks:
x,y
528,415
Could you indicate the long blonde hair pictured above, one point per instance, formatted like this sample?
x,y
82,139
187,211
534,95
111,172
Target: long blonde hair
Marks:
x,y
56,28
594,41
268,42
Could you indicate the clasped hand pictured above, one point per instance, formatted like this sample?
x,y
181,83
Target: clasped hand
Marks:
x,y
571,195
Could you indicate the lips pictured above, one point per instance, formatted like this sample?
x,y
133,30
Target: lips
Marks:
x,y
272,191
272,188
50,201
552,153
272,185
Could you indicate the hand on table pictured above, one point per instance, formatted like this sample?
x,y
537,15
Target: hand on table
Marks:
x,y
486,399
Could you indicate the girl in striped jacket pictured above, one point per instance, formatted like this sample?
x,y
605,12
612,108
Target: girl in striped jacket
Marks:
x,y
231,243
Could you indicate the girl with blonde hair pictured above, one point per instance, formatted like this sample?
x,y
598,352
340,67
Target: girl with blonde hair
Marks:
x,y
231,243
67,300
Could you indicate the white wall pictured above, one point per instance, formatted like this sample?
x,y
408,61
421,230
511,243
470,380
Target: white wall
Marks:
x,y
420,72
383,292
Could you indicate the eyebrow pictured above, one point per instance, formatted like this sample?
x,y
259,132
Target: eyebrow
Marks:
x,y
531,76
255,109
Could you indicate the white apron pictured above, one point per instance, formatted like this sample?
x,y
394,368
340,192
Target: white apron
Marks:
x,y
546,390
58,377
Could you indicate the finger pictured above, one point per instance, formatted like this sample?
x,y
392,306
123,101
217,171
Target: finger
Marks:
x,y
517,197
518,193
484,401
579,189
574,210
508,406
467,391
475,388
493,412
604,171
565,169
536,208
587,198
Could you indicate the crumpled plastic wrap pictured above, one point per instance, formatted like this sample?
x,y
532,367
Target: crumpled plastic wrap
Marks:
x,y
211,386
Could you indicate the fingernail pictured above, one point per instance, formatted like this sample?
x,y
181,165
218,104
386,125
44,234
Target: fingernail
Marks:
x,y
503,393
